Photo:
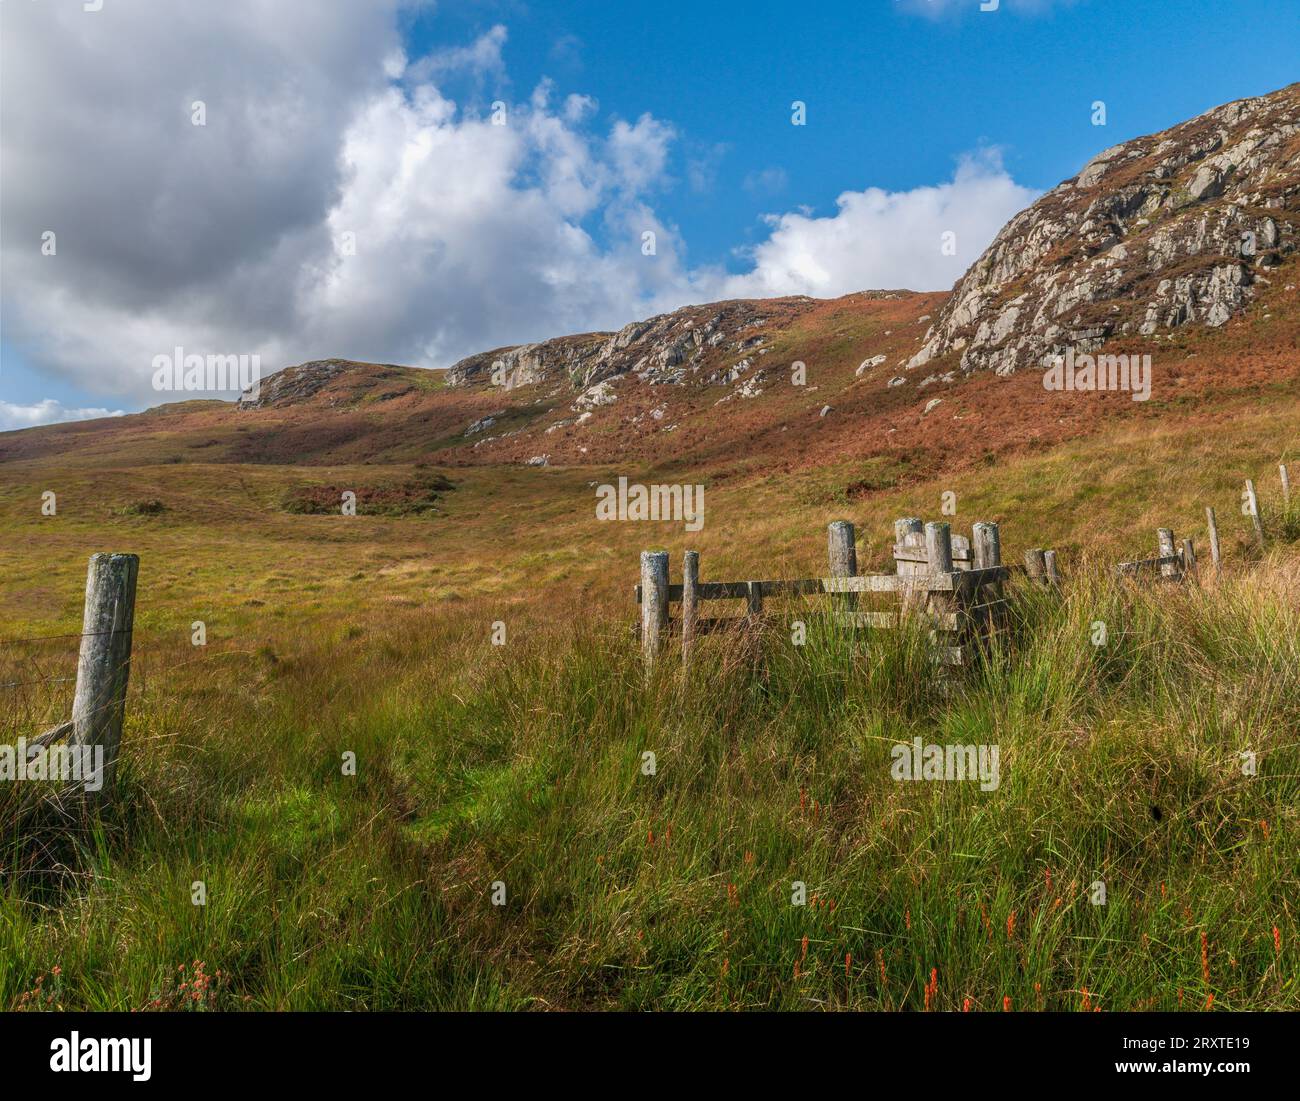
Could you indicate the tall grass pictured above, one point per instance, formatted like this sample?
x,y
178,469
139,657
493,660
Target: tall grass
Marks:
x,y
651,836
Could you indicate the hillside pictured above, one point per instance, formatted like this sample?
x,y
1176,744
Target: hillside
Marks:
x,y
1181,245
1183,227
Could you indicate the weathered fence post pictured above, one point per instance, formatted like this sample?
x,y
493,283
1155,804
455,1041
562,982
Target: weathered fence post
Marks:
x,y
654,604
1189,560
1252,503
938,547
986,553
104,663
961,553
1050,572
986,548
843,554
1165,536
1214,541
690,599
1286,485
908,531
938,553
1036,564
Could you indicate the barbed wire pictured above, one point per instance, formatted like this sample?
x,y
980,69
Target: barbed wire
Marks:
x,y
27,683
49,638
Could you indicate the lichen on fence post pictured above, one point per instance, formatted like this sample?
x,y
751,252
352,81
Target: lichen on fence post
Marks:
x,y
842,552
654,604
104,663
690,599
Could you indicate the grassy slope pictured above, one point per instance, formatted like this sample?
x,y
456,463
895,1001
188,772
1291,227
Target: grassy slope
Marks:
x,y
521,764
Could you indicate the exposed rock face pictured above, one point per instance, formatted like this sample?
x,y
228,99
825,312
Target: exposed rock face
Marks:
x,y
1166,230
295,385
670,348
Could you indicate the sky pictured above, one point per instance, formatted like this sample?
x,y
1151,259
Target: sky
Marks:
x,y
412,182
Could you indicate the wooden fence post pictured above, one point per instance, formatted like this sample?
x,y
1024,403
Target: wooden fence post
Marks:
x,y
654,604
1165,537
1050,572
986,549
1036,564
1252,502
938,547
1214,541
961,553
843,554
690,599
938,553
986,553
1189,560
1286,485
905,528
104,663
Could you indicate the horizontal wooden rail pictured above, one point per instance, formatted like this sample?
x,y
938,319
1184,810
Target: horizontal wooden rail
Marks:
x,y
951,584
943,621
1150,563
905,553
964,581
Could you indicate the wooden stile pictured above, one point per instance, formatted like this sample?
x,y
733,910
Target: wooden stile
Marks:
x,y
954,595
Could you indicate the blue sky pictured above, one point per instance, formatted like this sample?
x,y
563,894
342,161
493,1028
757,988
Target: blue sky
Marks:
x,y
673,117
895,91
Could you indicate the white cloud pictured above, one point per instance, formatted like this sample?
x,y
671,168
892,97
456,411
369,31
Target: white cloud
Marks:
x,y
482,58
236,238
768,181
640,152
49,411
883,239
937,9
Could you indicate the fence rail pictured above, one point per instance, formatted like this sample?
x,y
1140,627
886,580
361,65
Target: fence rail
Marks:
x,y
952,582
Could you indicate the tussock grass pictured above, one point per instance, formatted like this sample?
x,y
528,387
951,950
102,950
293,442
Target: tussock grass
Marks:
x,y
526,765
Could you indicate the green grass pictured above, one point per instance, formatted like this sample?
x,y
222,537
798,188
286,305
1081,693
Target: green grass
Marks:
x,y
524,765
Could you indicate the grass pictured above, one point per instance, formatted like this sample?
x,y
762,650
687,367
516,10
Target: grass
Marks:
x,y
368,639
525,767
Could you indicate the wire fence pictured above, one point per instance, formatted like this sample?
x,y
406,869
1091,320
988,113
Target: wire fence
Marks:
x,y
34,664
35,676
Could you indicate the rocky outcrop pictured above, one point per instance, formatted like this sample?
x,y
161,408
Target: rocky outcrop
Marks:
x,y
317,381
667,349
1167,230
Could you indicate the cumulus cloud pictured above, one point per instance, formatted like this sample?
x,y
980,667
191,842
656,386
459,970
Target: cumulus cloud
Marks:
x,y
340,202
49,411
886,239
